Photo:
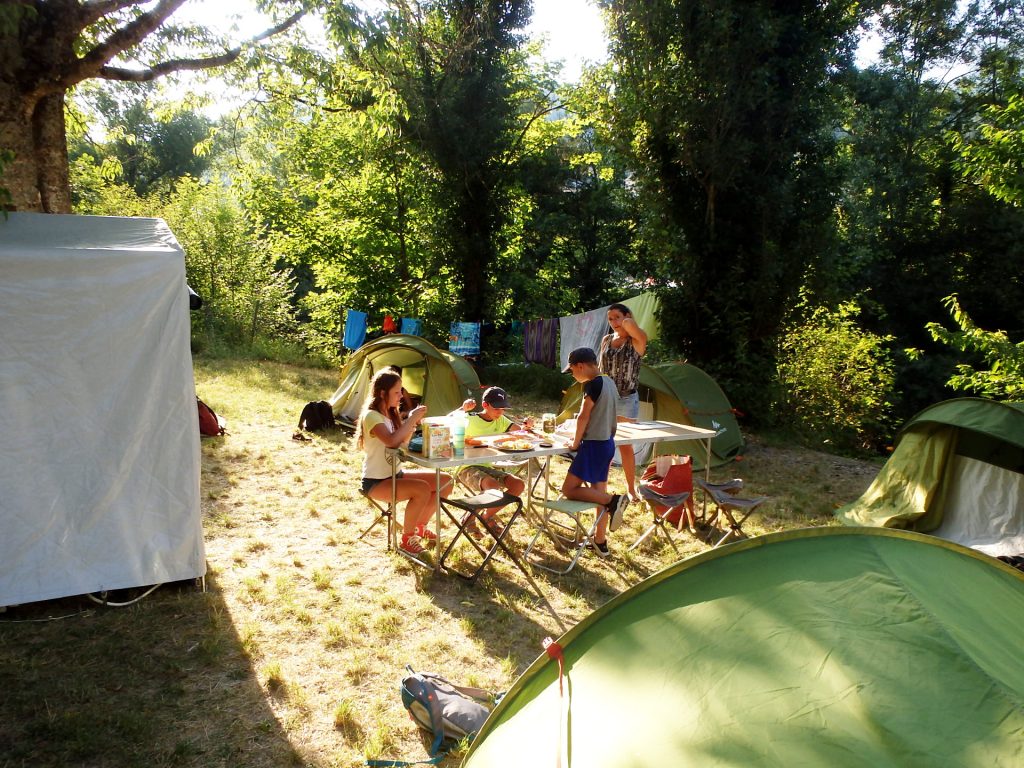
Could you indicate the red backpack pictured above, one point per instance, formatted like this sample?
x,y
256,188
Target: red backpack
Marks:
x,y
210,424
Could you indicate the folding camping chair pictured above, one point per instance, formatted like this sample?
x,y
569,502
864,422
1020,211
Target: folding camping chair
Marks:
x,y
561,522
734,509
385,514
669,495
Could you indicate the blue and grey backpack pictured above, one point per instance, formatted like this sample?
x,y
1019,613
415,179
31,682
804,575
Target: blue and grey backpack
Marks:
x,y
449,713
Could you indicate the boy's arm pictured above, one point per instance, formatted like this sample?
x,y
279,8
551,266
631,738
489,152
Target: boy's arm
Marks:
x,y
581,423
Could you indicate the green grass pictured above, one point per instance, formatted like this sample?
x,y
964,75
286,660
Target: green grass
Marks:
x,y
293,654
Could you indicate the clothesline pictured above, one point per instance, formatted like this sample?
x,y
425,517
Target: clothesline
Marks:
x,y
546,342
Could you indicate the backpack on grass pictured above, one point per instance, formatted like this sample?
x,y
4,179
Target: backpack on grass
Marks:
x,y
210,424
448,713
316,416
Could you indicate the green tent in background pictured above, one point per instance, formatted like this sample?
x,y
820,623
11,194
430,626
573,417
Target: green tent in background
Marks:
x,y
819,647
440,379
957,472
683,394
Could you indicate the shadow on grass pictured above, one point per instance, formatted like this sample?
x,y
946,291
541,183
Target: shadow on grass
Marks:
x,y
164,682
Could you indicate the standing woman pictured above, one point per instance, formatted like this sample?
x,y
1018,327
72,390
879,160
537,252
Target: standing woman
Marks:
x,y
381,426
619,359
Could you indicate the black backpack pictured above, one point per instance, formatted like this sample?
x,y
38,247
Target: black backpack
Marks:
x,y
317,416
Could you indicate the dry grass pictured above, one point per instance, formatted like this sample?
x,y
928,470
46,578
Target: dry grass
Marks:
x,y
293,654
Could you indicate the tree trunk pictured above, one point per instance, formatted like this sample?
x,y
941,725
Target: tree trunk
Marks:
x,y
37,179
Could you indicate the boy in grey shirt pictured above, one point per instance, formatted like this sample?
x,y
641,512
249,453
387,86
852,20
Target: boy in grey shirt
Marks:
x,y
594,444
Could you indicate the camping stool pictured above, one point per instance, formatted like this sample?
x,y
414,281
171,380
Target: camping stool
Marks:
x,y
672,505
471,510
568,535
385,514
734,509
732,487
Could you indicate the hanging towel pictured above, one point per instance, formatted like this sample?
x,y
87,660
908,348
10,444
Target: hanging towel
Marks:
x,y
540,341
411,326
355,329
464,339
390,326
583,330
644,308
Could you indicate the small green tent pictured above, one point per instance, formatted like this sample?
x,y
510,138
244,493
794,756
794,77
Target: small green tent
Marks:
x,y
683,394
957,472
440,379
820,647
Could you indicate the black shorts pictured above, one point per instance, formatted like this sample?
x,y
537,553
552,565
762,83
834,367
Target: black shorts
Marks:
x,y
370,482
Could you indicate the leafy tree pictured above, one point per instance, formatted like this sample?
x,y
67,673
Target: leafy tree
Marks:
x,y
152,143
246,298
835,380
47,47
452,62
915,226
1004,378
725,109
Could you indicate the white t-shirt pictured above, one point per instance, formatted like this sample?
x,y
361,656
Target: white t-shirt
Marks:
x,y
375,463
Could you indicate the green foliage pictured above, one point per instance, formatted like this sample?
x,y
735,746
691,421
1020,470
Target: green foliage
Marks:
x,y
1004,378
246,299
835,380
726,111
527,379
994,156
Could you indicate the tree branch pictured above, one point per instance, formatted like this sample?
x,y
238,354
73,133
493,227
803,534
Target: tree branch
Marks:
x,y
181,65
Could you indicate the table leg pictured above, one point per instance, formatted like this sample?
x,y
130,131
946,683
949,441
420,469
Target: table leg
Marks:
x,y
437,517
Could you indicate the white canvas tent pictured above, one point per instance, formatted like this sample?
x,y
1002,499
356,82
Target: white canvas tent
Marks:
x,y
99,441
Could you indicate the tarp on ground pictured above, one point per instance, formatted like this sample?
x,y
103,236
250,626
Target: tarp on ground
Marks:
x,y
821,647
439,378
99,435
682,394
957,472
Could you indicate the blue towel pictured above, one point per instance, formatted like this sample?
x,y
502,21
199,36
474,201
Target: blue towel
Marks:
x,y
464,339
355,329
411,326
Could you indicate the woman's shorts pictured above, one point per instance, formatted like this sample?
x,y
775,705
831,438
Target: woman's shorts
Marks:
x,y
628,407
370,482
592,460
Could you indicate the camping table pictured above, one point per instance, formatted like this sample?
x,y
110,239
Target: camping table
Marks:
x,y
626,433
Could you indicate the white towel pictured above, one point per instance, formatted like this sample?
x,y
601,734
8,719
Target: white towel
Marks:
x,y
584,330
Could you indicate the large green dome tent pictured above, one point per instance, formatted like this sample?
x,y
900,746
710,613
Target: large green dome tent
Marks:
x,y
683,394
441,379
957,472
819,647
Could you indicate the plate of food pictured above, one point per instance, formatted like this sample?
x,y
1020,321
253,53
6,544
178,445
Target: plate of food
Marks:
x,y
514,444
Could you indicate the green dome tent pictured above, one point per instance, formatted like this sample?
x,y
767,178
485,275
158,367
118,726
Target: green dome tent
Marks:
x,y
683,394
440,379
820,647
957,472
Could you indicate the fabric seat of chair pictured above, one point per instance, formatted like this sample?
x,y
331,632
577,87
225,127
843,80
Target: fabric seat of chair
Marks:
x,y
735,510
566,534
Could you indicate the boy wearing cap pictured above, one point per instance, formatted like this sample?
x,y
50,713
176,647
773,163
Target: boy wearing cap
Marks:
x,y
594,443
481,477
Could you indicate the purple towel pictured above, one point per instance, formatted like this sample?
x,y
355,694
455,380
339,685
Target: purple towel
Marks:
x,y
540,341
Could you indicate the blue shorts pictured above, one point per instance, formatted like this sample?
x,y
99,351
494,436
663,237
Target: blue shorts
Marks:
x,y
592,460
628,407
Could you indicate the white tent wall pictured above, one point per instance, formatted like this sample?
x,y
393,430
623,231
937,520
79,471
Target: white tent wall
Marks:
x,y
984,508
99,441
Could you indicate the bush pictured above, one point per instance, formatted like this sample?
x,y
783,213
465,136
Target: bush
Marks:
x,y
527,379
836,380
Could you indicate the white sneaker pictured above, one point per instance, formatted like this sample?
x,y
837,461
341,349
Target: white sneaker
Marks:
x,y
615,508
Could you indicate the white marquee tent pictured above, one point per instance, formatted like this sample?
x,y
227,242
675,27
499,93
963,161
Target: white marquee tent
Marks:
x,y
99,441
